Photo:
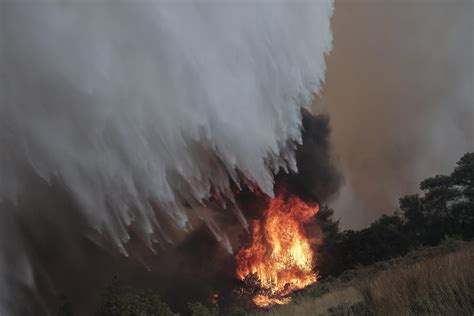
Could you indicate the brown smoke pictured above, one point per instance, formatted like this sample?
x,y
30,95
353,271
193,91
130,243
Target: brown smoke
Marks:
x,y
399,94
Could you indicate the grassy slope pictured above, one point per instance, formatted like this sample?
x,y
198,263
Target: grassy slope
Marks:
x,y
436,281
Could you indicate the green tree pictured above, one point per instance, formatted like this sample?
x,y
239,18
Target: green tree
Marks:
x,y
439,194
463,207
329,228
412,209
463,174
446,207
199,309
119,300
383,239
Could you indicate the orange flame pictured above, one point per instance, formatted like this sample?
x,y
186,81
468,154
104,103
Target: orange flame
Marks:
x,y
280,256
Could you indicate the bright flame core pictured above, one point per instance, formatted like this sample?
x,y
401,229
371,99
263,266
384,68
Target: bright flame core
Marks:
x,y
280,256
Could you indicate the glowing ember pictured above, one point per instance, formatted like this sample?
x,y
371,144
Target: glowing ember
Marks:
x,y
280,258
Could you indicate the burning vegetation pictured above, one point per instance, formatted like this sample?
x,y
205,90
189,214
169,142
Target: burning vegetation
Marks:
x,y
279,259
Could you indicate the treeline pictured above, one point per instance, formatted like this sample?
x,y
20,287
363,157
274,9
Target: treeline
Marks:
x,y
445,208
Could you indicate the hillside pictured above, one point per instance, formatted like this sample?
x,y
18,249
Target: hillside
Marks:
x,y
434,281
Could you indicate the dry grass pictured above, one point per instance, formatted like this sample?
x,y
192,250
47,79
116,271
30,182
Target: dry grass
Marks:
x,y
439,285
346,296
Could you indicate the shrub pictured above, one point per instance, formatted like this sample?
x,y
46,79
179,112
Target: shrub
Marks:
x,y
118,300
199,309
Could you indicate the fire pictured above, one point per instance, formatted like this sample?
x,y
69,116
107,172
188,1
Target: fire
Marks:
x,y
280,259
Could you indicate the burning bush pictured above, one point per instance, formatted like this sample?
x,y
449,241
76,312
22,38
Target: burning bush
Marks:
x,y
280,258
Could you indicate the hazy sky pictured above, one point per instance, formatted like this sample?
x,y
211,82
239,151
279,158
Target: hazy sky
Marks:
x,y
399,93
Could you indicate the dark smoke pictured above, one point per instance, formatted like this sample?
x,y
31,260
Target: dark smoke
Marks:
x,y
318,175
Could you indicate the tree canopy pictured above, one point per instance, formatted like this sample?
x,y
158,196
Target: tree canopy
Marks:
x,y
444,208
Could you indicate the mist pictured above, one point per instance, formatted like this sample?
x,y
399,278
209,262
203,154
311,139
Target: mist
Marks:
x,y
399,95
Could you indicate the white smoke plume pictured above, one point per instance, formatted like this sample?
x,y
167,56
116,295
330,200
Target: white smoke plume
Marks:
x,y
139,109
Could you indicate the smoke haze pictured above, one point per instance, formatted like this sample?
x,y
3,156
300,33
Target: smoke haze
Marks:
x,y
399,94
